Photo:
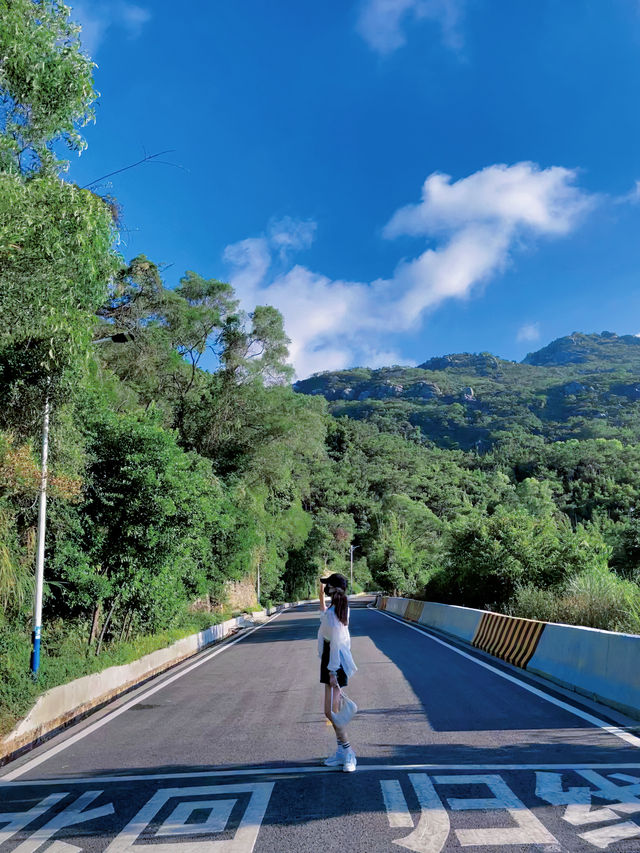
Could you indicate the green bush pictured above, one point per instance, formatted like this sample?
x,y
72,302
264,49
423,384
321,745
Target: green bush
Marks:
x,y
595,598
531,602
488,558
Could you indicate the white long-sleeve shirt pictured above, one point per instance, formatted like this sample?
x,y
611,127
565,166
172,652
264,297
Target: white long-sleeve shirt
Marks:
x,y
337,634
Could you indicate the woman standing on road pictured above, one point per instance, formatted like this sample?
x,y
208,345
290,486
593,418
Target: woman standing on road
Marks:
x,y
336,663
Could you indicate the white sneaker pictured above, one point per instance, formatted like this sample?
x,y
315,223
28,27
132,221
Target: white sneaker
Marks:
x,y
335,760
349,761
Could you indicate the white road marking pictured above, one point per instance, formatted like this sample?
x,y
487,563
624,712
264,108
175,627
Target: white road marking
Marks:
x,y
398,812
607,835
288,771
433,828
633,740
579,812
63,847
216,821
623,777
623,795
243,840
18,820
577,800
528,829
70,816
45,756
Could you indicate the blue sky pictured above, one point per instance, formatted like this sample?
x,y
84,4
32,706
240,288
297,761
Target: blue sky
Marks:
x,y
401,178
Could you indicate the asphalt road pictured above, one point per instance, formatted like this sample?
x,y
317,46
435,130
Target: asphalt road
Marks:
x,y
455,751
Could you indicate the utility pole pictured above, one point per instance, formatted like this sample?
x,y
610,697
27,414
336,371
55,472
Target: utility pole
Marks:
x,y
42,518
258,592
119,338
352,548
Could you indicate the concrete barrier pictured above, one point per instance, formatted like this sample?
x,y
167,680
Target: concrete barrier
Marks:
x,y
69,702
508,637
397,606
460,622
602,665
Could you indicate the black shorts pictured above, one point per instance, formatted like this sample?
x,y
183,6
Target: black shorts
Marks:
x,y
324,663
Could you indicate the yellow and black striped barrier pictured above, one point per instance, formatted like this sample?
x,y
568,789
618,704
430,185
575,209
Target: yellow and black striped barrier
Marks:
x,y
414,610
508,637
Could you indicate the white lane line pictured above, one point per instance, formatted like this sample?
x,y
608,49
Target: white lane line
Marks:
x,y
45,756
633,740
292,771
398,813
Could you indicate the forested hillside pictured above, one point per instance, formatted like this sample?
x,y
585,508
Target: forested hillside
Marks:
x,y
580,386
470,479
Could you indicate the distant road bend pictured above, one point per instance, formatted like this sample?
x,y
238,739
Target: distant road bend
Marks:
x,y
456,751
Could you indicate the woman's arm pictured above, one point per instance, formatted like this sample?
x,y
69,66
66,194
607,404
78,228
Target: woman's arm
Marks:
x,y
339,640
323,603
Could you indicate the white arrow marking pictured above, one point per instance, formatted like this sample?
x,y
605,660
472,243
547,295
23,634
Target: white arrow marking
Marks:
x,y
397,809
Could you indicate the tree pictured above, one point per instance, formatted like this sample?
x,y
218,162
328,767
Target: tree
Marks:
x,y
147,523
46,85
405,547
56,259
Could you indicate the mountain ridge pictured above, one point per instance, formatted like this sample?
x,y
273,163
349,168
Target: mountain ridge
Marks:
x,y
578,386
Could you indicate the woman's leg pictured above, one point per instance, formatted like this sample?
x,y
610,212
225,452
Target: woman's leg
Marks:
x,y
341,733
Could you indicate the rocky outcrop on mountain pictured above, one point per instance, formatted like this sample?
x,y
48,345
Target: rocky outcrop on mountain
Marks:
x,y
423,391
580,349
481,363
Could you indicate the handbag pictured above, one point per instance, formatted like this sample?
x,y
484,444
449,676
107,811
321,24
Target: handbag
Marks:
x,y
346,710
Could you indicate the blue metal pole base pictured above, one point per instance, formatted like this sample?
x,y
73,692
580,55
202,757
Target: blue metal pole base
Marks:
x,y
35,652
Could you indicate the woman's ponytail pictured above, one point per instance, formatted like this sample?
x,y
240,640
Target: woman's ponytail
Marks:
x,y
340,605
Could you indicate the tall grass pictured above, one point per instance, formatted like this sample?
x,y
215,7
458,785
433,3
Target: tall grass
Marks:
x,y
596,598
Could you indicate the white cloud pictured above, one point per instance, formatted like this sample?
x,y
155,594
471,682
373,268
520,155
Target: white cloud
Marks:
x,y
529,332
98,17
290,235
544,200
632,197
476,224
381,23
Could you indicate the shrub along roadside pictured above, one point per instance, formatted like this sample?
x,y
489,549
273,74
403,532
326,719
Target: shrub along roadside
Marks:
x,y
595,598
66,657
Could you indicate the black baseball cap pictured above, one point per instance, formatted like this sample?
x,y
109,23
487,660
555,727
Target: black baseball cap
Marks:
x,y
336,580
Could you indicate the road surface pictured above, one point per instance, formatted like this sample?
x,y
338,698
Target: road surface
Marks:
x,y
456,751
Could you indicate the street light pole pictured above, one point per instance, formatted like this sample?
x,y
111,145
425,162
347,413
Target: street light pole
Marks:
x,y
352,548
42,519
119,338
